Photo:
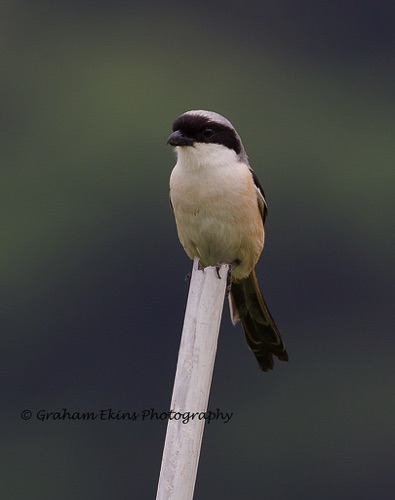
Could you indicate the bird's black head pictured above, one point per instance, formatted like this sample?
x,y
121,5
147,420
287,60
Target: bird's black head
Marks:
x,y
205,127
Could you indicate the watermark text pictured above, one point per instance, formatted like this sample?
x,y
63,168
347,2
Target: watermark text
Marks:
x,y
109,414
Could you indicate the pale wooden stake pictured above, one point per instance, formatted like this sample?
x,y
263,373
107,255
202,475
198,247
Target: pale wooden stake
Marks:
x,y
192,383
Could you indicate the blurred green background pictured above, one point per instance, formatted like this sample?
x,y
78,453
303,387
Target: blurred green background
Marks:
x,y
92,274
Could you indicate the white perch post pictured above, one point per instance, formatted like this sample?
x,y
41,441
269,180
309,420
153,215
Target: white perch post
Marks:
x,y
192,383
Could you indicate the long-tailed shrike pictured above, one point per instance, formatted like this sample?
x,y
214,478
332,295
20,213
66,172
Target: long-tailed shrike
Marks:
x,y
220,210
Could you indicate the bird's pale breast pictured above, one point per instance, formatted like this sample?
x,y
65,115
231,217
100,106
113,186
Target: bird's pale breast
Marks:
x,y
217,215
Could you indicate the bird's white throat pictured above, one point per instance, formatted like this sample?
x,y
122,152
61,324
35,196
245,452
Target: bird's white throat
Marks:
x,y
202,155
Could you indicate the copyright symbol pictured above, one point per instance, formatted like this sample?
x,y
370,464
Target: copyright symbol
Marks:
x,y
26,415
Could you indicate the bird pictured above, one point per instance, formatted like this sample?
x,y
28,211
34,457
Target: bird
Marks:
x,y
220,211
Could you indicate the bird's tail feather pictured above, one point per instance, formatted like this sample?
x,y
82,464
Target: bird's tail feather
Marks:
x,y
248,305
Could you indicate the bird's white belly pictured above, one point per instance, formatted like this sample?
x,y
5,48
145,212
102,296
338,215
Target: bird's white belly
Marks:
x,y
217,218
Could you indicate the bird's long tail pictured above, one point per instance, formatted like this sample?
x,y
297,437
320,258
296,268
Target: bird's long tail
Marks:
x,y
248,305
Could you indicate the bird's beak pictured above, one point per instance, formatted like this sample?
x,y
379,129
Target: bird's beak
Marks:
x,y
177,138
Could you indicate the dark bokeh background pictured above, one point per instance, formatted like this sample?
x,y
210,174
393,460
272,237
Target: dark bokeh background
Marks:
x,y
92,274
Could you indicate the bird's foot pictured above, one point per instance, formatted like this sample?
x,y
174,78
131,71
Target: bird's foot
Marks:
x,y
189,275
218,267
231,267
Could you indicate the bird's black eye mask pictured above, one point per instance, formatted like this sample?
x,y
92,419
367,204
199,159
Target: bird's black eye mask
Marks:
x,y
203,130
